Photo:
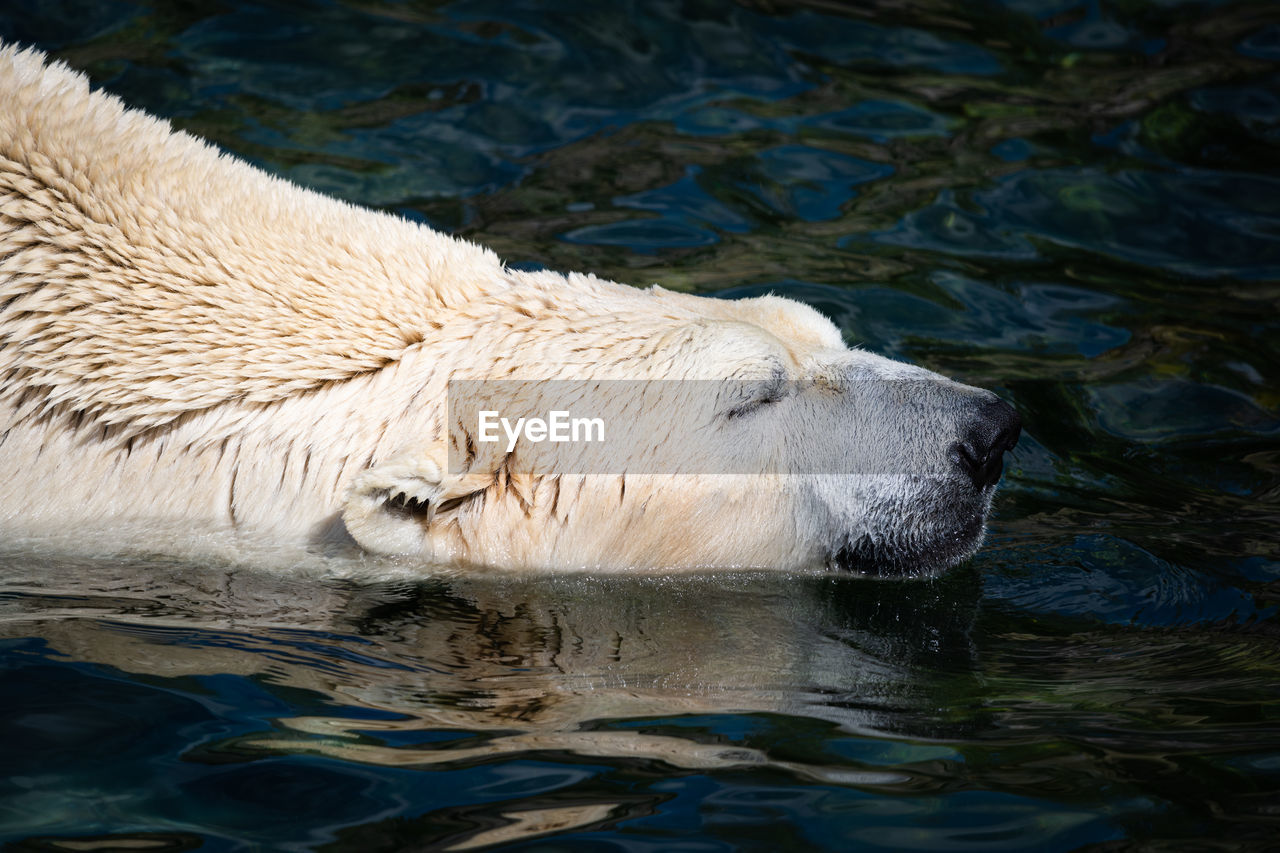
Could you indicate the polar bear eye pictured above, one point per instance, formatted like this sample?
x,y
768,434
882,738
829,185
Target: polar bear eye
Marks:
x,y
756,395
748,408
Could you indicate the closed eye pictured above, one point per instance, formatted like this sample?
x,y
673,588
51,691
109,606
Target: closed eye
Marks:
x,y
747,408
755,395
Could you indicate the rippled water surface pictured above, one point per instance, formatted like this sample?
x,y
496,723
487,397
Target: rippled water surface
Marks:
x,y
1073,202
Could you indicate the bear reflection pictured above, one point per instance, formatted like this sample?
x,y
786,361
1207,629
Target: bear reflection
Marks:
x,y
516,665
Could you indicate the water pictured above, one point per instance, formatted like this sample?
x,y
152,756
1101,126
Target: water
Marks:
x,y
1073,202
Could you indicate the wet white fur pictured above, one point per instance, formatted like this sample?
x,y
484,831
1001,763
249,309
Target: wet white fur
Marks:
x,y
191,346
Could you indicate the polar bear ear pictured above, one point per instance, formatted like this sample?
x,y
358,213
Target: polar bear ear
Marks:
x,y
390,507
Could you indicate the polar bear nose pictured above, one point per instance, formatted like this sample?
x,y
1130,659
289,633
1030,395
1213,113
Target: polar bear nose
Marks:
x,y
993,428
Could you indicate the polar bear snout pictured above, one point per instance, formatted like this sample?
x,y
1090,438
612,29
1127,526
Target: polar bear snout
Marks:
x,y
993,429
914,500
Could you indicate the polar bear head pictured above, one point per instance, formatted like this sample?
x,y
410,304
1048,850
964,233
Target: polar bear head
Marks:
x,y
734,434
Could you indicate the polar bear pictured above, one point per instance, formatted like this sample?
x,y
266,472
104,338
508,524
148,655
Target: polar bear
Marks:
x,y
189,345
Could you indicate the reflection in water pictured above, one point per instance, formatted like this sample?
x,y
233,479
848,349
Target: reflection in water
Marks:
x,y
530,660
535,822
456,673
517,690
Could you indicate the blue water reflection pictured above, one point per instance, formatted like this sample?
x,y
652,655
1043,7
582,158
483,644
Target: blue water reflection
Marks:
x,y
881,121
809,183
1036,317
686,215
1108,579
1196,223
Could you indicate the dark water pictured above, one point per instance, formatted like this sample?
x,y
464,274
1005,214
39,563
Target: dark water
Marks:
x,y
1073,202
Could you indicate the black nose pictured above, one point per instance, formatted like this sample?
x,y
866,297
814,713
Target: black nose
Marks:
x,y
993,428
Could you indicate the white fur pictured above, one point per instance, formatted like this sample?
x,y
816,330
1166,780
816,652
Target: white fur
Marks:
x,y
189,344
